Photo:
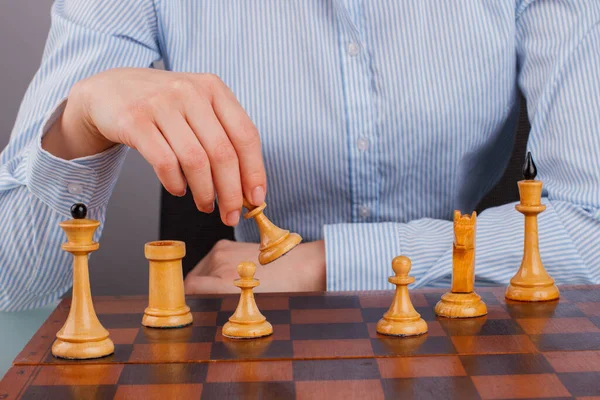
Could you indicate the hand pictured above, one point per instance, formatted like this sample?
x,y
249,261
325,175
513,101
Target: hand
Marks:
x,y
189,127
301,270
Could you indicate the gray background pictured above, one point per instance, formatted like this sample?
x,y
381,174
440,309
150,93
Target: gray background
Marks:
x,y
119,267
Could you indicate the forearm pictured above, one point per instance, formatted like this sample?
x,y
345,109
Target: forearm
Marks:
x,y
500,241
359,255
72,136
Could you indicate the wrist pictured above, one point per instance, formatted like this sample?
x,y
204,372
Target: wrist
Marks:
x,y
70,137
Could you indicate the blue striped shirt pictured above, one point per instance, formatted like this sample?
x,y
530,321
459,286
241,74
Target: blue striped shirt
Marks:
x,y
377,119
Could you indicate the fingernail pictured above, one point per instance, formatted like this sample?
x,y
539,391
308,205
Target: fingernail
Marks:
x,y
183,193
232,218
258,195
207,209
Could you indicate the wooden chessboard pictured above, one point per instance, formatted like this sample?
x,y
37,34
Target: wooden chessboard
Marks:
x,y
325,346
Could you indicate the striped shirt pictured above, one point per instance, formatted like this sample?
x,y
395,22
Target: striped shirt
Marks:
x,y
378,119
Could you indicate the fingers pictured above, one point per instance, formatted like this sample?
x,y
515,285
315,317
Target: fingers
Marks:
x,y
245,139
191,156
199,136
223,160
154,148
208,285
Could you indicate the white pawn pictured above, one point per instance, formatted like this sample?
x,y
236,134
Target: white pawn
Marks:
x,y
247,322
401,319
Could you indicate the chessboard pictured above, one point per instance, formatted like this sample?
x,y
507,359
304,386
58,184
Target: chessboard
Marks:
x,y
325,346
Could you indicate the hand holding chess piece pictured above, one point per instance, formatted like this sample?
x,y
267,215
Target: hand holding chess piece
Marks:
x,y
274,241
82,336
462,301
532,282
247,322
401,319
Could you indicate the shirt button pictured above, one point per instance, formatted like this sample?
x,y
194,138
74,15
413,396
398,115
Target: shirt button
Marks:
x,y
353,49
364,211
363,144
75,188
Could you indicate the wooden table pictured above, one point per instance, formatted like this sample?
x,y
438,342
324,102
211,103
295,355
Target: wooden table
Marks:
x,y
325,346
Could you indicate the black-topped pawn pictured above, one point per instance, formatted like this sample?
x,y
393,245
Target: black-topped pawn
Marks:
x,y
529,170
78,211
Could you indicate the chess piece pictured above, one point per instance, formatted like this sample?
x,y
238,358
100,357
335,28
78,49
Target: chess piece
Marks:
x,y
401,319
166,296
462,301
82,336
247,322
531,282
274,241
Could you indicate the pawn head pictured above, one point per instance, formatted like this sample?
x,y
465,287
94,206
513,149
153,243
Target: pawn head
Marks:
x,y
246,270
78,211
401,265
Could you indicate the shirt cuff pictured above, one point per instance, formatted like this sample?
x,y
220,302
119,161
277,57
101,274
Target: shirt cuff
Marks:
x,y
359,256
60,183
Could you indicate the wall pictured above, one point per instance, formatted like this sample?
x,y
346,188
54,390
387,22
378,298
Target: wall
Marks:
x,y
119,267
